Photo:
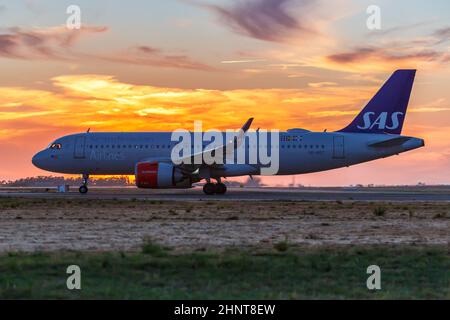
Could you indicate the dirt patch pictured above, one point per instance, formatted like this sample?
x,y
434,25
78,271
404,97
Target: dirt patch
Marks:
x,y
55,224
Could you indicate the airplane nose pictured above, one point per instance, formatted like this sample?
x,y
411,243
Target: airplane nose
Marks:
x,y
37,160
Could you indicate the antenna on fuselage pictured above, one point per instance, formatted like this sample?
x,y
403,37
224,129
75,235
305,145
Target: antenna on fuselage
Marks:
x,y
88,130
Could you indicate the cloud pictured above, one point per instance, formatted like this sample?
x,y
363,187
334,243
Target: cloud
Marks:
x,y
442,35
150,56
398,29
242,61
366,53
268,20
56,43
31,118
437,105
45,43
157,110
430,109
332,113
388,53
321,84
114,104
381,59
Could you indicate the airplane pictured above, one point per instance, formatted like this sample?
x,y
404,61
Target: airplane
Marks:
x,y
373,134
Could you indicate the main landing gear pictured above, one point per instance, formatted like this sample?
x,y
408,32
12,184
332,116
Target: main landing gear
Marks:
x,y
84,189
214,188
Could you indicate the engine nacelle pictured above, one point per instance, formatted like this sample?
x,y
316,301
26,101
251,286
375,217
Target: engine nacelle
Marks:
x,y
160,175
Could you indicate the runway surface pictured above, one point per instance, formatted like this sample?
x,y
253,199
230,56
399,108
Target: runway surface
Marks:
x,y
245,194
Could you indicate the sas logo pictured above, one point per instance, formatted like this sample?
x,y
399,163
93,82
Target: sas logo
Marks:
x,y
381,121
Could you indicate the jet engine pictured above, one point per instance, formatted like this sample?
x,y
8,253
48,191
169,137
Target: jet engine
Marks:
x,y
160,175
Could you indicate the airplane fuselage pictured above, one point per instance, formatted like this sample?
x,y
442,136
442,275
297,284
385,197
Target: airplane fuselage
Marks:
x,y
299,152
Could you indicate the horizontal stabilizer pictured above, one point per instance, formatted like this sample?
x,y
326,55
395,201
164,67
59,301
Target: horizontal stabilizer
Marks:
x,y
393,142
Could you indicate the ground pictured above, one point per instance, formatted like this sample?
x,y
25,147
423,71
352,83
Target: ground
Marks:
x,y
223,249
99,224
296,273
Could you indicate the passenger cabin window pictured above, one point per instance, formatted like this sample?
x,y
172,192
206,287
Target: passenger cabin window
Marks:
x,y
56,146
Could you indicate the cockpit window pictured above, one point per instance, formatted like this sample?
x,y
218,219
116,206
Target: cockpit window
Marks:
x,y
56,146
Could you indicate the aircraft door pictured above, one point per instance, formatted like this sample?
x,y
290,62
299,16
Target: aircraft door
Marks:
x,y
338,147
79,152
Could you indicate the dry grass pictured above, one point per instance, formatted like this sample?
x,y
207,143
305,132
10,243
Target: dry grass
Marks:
x,y
52,224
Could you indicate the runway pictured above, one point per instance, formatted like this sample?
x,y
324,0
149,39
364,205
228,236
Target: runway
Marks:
x,y
245,194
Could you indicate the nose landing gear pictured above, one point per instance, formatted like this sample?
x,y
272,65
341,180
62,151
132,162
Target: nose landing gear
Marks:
x,y
84,189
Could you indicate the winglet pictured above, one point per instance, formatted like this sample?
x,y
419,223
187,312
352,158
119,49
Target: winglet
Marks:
x,y
237,141
247,125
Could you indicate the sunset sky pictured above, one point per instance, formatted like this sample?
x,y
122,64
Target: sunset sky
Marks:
x,y
159,65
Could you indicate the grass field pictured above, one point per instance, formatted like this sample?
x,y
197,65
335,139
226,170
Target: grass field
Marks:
x,y
284,272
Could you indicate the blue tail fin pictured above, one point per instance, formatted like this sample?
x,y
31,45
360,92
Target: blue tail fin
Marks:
x,y
386,111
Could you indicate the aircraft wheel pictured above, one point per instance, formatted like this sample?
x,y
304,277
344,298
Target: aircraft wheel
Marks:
x,y
221,188
209,189
83,189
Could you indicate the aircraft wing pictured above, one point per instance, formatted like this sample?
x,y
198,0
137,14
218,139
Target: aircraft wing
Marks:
x,y
188,164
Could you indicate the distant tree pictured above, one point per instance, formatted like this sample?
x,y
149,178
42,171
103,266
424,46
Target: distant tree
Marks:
x,y
255,182
51,181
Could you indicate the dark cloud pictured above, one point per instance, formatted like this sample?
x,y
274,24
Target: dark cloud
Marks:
x,y
148,50
8,45
400,50
48,43
352,56
442,35
366,53
267,20
56,44
421,49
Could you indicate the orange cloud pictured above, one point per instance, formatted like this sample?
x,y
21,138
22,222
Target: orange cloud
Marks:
x,y
105,103
31,118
